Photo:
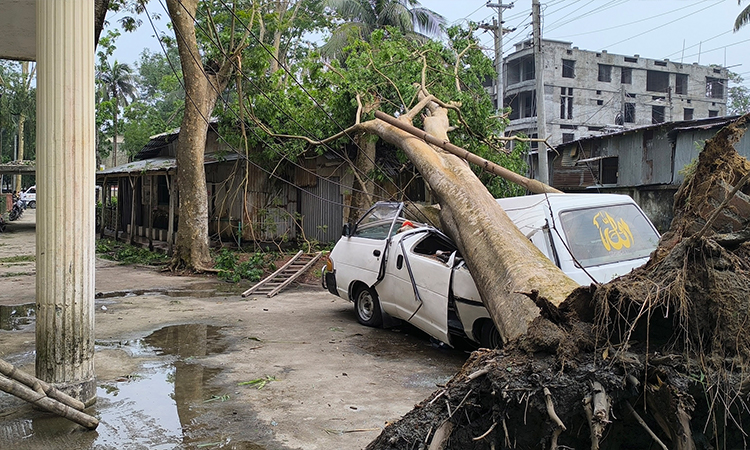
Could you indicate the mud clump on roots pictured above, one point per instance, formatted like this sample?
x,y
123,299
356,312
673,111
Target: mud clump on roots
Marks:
x,y
654,359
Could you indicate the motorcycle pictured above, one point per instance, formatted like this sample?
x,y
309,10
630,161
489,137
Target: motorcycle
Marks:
x,y
17,210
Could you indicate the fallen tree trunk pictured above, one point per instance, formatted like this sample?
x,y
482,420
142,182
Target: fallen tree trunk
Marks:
x,y
502,261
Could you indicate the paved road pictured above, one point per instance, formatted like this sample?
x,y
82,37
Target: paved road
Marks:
x,y
192,363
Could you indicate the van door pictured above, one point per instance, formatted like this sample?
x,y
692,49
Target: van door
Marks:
x,y
416,283
360,256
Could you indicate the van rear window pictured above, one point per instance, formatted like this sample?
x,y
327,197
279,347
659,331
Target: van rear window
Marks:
x,y
608,234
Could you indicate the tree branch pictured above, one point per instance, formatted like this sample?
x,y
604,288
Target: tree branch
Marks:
x,y
645,427
389,80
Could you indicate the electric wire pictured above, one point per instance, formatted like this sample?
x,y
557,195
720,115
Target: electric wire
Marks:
x,y
289,116
262,140
664,24
228,144
632,23
282,66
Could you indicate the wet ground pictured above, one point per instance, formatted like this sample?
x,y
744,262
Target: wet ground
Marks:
x,y
185,362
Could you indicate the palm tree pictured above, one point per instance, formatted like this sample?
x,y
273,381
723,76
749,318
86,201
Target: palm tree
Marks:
x,y
743,18
118,84
362,17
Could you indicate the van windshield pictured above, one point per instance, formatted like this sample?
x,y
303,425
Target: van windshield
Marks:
x,y
378,221
608,234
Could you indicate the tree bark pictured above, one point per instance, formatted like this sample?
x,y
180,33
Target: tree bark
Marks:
x,y
201,91
362,194
502,261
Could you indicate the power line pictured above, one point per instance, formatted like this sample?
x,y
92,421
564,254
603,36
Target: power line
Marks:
x,y
630,23
229,145
271,146
662,25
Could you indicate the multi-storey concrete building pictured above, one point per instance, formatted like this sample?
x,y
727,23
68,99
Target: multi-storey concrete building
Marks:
x,y
590,93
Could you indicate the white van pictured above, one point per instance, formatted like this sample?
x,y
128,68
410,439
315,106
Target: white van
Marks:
x,y
28,197
417,275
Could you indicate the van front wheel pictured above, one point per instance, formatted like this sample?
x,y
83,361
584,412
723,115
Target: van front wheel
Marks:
x,y
367,307
490,336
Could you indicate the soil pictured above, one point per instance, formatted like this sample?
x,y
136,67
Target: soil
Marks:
x,y
655,359
172,352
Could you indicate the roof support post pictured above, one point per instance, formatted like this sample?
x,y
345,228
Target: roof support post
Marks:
x,y
172,202
131,235
65,197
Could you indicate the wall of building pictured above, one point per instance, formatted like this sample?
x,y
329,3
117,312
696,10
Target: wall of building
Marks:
x,y
608,92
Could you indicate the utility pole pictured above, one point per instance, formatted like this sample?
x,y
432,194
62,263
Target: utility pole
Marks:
x,y
497,28
543,174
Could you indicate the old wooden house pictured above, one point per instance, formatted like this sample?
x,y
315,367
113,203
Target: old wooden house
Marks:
x,y
306,200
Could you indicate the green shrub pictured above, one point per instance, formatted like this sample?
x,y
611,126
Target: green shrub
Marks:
x,y
234,268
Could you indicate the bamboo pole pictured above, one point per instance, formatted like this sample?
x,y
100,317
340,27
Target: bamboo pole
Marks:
x,y
42,401
10,371
535,186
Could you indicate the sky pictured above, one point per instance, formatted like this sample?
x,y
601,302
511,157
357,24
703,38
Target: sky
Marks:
x,y
679,30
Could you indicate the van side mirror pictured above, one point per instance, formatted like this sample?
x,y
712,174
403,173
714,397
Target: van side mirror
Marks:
x,y
347,231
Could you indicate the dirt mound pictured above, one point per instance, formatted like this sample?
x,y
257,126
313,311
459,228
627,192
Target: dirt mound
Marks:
x,y
655,359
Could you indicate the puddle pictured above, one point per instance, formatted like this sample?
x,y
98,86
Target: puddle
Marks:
x,y
169,404
16,317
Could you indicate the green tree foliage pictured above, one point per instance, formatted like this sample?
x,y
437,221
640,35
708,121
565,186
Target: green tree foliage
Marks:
x,y
742,18
17,97
160,106
115,88
738,95
383,73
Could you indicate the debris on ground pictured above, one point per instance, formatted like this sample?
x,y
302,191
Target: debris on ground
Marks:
x,y
654,359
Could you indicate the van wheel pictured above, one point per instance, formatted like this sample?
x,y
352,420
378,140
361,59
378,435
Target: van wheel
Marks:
x,y
367,307
490,336
32,204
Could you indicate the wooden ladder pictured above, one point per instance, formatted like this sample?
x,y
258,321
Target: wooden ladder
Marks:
x,y
283,277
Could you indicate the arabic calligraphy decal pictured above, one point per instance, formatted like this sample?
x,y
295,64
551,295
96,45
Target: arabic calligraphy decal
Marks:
x,y
615,234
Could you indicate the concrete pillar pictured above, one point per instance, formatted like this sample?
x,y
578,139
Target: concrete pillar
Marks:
x,y
65,196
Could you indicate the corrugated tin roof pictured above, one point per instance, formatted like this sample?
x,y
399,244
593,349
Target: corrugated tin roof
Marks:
x,y
156,144
162,164
675,127
158,164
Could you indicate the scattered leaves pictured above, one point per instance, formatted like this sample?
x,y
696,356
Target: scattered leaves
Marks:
x,y
259,383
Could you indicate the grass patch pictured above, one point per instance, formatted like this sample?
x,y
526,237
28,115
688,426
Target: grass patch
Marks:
x,y
15,274
19,258
129,254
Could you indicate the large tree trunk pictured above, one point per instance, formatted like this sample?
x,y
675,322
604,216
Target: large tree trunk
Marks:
x,y
502,261
201,92
363,185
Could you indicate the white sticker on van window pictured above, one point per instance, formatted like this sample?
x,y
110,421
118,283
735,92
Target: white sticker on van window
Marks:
x,y
615,234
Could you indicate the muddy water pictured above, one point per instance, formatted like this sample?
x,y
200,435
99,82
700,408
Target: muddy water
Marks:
x,y
155,408
16,317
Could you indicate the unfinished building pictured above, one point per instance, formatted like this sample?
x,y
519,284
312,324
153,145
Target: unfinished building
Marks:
x,y
589,93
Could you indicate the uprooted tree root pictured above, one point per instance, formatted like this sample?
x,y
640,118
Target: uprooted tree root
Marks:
x,y
655,359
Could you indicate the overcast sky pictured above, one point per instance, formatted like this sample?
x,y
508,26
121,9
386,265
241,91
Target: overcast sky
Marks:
x,y
650,28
